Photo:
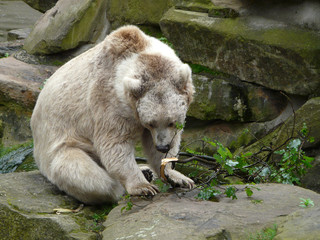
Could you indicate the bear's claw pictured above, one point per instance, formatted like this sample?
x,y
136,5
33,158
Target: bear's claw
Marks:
x,y
176,179
144,189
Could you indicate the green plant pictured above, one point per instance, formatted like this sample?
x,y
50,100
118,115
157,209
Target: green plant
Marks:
x,y
99,217
248,166
163,187
166,41
42,85
265,234
129,204
293,163
4,55
306,203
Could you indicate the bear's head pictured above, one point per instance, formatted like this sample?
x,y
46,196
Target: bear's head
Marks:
x,y
157,86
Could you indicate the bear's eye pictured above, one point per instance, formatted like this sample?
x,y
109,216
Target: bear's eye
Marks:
x,y
171,125
151,125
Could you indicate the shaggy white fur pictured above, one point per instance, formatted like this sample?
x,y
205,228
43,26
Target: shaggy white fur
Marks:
x,y
93,109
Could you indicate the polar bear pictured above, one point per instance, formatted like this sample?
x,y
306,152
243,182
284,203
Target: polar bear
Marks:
x,y
93,109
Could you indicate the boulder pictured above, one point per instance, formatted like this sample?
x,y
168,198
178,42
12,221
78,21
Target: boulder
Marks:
x,y
137,11
20,85
273,54
68,25
18,34
229,99
178,216
27,203
41,5
21,82
16,15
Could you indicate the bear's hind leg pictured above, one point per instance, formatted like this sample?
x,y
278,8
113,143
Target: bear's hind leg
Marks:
x,y
76,173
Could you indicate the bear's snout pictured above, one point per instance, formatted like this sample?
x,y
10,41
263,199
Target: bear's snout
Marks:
x,y
163,148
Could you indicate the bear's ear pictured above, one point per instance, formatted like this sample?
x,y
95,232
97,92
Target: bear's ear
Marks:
x,y
133,86
185,84
127,40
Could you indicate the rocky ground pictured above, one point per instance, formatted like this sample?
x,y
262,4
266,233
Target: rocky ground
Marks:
x,y
28,200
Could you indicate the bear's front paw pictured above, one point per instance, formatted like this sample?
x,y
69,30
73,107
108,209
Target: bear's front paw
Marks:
x,y
177,179
144,189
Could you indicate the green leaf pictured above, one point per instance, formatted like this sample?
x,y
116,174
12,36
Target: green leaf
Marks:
x,y
231,192
249,192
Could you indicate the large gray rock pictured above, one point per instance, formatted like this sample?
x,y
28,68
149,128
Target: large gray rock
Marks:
x,y
69,24
169,216
16,15
27,201
263,51
219,98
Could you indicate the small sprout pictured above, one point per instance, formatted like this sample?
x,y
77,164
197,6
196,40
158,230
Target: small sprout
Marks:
x,y
306,203
179,126
257,201
129,204
249,192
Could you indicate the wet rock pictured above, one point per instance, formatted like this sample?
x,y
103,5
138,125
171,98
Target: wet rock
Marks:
x,y
269,53
229,99
27,201
174,216
67,25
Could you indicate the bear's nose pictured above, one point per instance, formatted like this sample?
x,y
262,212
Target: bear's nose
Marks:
x,y
163,148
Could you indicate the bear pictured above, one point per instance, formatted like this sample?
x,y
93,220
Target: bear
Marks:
x,y
92,111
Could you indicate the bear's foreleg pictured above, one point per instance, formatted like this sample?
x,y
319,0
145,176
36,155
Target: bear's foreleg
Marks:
x,y
120,163
175,178
76,173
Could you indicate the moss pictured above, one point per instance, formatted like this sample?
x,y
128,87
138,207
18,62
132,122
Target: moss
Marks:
x,y
18,226
197,68
83,29
6,150
145,12
27,165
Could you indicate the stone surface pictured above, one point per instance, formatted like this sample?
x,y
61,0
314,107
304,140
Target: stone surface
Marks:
x,y
312,178
171,216
68,25
309,114
137,11
16,15
229,99
18,34
20,85
27,201
21,82
263,51
41,5
231,134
